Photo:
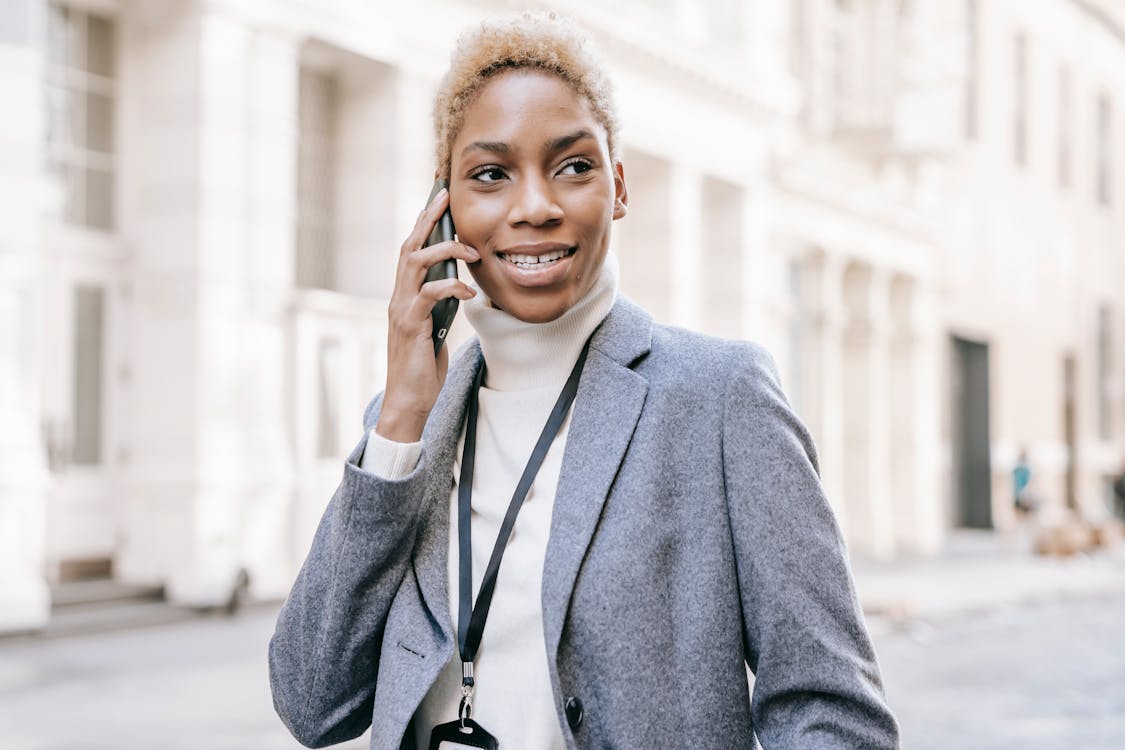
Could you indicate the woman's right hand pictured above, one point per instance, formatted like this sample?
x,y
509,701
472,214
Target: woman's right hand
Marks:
x,y
414,375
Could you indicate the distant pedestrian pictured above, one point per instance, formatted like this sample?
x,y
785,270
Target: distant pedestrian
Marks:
x,y
1119,493
1022,496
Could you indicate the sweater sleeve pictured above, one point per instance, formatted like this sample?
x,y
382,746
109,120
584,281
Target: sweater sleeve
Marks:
x,y
324,654
817,682
387,458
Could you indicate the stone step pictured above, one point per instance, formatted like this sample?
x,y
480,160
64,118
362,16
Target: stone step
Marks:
x,y
100,592
102,605
122,614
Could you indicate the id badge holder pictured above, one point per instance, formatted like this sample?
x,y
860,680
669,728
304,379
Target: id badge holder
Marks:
x,y
462,734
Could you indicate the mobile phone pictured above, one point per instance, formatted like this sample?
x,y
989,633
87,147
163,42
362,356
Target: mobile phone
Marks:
x,y
445,309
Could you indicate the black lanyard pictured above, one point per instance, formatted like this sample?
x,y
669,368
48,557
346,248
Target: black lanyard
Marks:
x,y
470,622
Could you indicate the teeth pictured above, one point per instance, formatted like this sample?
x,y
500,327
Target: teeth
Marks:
x,y
530,261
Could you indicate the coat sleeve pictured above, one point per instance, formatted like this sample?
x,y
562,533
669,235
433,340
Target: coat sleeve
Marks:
x,y
817,682
324,654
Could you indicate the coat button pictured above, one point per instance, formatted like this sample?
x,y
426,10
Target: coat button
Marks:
x,y
573,708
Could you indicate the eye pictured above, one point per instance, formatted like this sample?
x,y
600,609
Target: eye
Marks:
x,y
488,175
576,166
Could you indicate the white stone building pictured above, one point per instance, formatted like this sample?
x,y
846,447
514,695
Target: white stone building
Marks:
x,y
919,207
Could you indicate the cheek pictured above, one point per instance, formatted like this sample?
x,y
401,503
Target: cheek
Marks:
x,y
474,221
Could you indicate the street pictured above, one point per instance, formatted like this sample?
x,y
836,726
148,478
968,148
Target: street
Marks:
x,y
1045,675
1049,675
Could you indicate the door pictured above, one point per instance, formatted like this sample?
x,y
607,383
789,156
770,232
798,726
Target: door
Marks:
x,y
78,415
972,456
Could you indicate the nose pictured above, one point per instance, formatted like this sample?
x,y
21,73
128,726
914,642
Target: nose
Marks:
x,y
534,203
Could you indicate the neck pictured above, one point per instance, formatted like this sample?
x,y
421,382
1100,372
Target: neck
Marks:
x,y
520,356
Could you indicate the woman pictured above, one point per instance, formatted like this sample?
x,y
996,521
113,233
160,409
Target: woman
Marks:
x,y
669,531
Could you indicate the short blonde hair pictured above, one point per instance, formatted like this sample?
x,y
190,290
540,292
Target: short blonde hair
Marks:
x,y
539,41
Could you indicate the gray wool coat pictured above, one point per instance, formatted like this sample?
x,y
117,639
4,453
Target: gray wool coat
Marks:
x,y
690,538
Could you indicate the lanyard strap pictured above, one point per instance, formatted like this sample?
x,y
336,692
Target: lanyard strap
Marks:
x,y
470,623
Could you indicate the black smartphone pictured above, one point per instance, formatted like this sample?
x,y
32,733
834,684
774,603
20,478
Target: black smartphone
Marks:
x,y
445,309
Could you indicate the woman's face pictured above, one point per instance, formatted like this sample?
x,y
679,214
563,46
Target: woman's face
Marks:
x,y
533,189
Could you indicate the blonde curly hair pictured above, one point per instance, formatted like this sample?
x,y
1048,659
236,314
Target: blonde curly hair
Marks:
x,y
541,41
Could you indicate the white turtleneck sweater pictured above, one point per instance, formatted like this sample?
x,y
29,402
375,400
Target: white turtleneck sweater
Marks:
x,y
527,365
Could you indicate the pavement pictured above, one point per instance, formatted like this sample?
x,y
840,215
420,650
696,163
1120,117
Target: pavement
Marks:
x,y
977,572
149,676
981,572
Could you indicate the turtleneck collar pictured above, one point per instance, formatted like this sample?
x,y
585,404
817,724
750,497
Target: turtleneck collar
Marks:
x,y
521,356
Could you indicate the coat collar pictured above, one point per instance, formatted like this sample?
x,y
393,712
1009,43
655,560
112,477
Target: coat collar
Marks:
x,y
605,413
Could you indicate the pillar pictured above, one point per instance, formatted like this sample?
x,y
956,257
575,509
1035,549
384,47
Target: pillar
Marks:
x,y
685,202
914,419
265,522
762,317
721,259
24,596
186,73
824,299
867,421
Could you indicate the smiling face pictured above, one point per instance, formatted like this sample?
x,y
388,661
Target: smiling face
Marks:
x,y
534,189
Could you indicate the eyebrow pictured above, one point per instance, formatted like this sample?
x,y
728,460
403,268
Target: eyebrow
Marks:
x,y
566,141
553,145
495,147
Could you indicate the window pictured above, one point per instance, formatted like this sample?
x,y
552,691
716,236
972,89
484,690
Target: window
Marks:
x,y
1063,166
89,335
1020,105
81,100
316,180
972,59
1105,152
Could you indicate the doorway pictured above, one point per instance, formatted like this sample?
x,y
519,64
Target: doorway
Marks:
x,y
81,313
971,434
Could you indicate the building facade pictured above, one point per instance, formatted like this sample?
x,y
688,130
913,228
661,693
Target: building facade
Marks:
x,y
918,207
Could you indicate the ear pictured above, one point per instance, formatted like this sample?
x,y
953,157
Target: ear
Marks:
x,y
620,192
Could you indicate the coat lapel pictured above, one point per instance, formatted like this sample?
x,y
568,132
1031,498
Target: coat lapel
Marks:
x,y
441,434
609,403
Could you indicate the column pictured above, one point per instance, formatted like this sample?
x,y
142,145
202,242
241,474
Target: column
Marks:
x,y
721,252
824,298
186,72
867,433
685,187
265,522
24,596
761,314
643,239
916,491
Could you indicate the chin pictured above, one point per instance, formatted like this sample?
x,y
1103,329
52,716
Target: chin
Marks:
x,y
534,311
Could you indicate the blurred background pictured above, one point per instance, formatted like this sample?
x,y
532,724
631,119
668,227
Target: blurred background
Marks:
x,y
918,206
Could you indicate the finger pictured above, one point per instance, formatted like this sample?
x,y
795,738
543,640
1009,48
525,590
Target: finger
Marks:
x,y
412,268
426,222
433,292
422,260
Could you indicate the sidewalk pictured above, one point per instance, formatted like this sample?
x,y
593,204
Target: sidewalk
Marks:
x,y
980,572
